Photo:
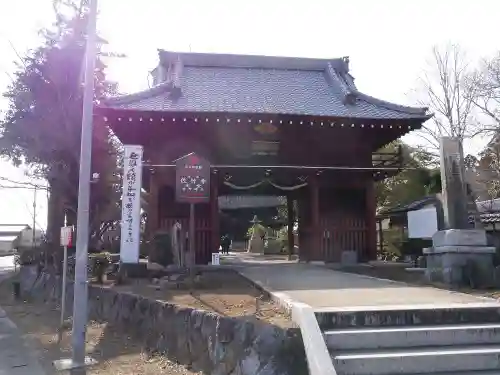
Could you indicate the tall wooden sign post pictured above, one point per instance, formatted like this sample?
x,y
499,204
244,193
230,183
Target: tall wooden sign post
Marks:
x,y
192,185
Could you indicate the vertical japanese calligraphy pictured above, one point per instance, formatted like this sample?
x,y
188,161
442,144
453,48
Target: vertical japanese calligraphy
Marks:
x,y
131,204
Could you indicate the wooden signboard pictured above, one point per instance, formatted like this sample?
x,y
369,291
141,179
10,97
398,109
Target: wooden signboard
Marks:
x,y
192,185
192,179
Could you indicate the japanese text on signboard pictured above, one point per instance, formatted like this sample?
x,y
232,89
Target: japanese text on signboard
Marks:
x,y
131,194
193,179
131,204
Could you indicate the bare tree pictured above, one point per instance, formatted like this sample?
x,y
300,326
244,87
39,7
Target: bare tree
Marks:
x,y
447,95
483,88
484,84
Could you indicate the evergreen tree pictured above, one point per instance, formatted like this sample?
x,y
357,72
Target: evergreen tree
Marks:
x,y
42,125
419,177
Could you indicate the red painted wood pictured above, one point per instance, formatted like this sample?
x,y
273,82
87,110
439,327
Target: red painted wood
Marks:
x,y
202,235
152,223
371,229
315,250
171,211
214,214
340,234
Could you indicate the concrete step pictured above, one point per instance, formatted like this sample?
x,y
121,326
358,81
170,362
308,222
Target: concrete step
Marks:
x,y
397,316
411,337
428,360
480,372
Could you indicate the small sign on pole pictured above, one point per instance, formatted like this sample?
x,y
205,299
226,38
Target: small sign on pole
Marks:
x,y
66,240
66,236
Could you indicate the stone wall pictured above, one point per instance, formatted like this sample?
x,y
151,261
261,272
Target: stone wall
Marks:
x,y
205,341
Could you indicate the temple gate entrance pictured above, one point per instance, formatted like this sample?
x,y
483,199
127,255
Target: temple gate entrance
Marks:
x,y
275,126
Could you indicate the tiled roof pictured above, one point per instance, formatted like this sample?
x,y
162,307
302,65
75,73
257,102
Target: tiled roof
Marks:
x,y
486,217
259,84
412,206
489,218
8,238
11,229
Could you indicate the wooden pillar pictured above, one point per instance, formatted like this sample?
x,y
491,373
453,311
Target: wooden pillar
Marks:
x,y
315,242
152,222
371,224
214,213
290,223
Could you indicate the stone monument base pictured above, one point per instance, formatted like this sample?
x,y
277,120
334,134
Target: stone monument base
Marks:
x,y
460,256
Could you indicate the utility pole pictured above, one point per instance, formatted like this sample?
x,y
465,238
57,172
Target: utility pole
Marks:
x,y
33,243
80,286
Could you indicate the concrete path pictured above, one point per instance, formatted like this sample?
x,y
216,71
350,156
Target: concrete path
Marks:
x,y
323,288
16,358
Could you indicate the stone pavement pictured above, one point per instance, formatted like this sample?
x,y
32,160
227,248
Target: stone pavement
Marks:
x,y
16,358
321,288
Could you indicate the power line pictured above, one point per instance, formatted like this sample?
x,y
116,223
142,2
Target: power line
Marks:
x,y
23,183
23,187
32,214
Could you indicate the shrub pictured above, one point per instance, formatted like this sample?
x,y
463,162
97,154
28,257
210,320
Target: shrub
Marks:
x,y
100,263
161,249
414,246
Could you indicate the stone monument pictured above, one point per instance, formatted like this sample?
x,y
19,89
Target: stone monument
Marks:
x,y
256,243
459,250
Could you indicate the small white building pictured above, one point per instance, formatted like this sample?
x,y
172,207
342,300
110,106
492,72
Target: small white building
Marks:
x,y
14,236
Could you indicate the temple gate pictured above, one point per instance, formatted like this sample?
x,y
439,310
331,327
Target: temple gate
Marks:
x,y
283,126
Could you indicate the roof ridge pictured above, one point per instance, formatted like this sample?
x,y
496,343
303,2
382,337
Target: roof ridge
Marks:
x,y
205,59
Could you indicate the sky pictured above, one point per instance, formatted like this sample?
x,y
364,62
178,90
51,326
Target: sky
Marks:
x,y
388,42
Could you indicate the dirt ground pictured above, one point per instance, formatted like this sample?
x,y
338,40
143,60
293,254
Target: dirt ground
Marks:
x,y
116,353
223,292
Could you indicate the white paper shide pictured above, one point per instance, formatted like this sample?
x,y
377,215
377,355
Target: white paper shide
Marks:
x,y
131,204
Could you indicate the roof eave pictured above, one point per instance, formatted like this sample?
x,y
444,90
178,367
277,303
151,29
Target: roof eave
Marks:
x,y
131,98
419,112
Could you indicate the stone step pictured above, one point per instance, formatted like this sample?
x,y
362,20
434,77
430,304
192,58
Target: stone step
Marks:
x,y
410,337
428,360
419,315
479,372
